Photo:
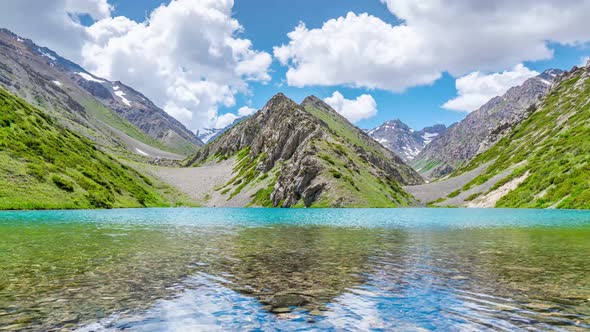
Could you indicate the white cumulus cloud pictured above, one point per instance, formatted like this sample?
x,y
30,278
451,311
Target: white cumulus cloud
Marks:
x,y
363,107
476,88
226,119
246,110
187,56
54,23
357,50
432,37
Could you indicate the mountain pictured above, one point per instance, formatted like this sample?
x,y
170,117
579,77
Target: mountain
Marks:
x,y
44,165
110,113
209,134
544,161
307,155
483,127
140,111
403,140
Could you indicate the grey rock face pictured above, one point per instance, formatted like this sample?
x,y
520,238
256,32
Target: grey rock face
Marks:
x,y
96,89
483,127
279,130
139,110
403,140
287,135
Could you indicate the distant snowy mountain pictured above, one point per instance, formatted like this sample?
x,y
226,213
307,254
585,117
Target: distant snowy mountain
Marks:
x,y
403,140
209,134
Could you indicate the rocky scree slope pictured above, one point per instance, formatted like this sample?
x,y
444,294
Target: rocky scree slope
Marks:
x,y
547,155
44,165
308,155
110,113
403,140
483,127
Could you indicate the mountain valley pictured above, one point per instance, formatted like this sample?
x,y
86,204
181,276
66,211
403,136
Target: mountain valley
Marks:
x,y
542,162
306,155
483,127
287,154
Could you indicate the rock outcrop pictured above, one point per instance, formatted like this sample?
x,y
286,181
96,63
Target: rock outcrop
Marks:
x,y
312,155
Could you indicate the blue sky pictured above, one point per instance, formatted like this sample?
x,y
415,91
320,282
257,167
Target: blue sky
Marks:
x,y
266,23
411,57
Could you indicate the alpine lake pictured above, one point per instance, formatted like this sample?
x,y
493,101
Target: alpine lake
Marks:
x,y
193,269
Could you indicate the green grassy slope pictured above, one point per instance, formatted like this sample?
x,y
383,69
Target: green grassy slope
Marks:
x,y
32,77
354,180
43,166
116,121
552,145
342,130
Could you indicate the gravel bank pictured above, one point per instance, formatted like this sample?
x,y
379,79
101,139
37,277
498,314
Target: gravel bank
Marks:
x,y
432,191
200,183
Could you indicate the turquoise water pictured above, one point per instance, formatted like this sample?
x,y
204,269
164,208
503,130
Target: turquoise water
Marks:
x,y
299,269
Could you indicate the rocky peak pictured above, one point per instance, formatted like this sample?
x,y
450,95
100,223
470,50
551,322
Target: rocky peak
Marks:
x,y
397,124
399,138
437,128
306,152
551,74
279,101
313,101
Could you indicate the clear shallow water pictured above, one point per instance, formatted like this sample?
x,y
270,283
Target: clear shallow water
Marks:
x,y
331,269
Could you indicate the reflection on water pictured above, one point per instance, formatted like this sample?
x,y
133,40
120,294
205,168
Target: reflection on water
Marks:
x,y
187,269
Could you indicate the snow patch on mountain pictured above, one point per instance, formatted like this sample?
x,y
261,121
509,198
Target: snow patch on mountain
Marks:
x,y
428,137
207,134
47,55
121,95
89,77
403,140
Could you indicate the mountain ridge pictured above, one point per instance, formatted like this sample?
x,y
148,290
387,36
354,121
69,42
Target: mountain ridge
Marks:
x,y
296,155
483,127
210,134
65,89
543,162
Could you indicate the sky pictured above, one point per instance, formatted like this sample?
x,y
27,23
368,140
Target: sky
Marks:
x,y
206,62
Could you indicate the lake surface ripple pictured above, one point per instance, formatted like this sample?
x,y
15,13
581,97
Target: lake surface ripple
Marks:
x,y
298,269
